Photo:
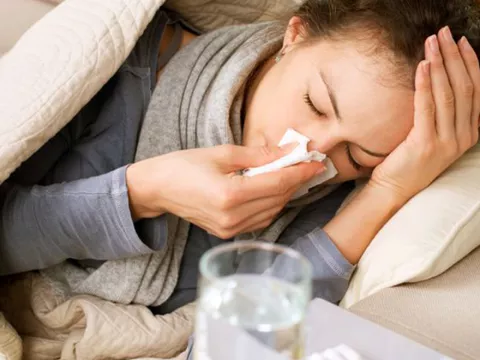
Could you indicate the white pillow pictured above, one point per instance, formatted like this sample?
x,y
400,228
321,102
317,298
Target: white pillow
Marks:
x,y
432,232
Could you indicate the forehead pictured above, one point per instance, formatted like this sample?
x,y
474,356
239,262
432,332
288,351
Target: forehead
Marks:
x,y
370,99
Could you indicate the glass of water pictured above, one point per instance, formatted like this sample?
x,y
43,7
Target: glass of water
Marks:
x,y
252,301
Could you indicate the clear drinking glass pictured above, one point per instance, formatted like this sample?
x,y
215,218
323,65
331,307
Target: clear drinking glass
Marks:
x,y
252,301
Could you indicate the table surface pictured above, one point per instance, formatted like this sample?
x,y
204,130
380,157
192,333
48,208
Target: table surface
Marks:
x,y
329,326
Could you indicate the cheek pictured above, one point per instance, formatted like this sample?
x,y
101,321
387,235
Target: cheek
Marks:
x,y
285,109
281,106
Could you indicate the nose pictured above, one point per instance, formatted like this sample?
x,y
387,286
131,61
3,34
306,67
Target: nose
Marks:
x,y
324,143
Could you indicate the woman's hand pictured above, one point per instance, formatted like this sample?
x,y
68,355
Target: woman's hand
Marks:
x,y
201,186
446,120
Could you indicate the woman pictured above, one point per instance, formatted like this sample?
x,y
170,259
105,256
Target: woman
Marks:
x,y
382,87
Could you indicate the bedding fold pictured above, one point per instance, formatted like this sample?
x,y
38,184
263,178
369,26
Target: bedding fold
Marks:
x,y
55,325
58,65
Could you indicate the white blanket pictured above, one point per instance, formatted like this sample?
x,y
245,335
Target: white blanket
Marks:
x,y
57,67
54,325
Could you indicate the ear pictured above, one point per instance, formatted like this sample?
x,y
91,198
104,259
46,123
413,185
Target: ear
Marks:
x,y
295,33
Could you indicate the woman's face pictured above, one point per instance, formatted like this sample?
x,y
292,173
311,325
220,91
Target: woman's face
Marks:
x,y
335,94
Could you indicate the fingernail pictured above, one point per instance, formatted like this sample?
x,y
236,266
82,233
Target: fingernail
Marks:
x,y
426,67
433,43
447,34
465,44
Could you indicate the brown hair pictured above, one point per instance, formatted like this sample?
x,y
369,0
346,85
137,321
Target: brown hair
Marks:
x,y
402,26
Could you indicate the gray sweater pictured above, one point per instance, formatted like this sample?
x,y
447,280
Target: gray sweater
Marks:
x,y
70,201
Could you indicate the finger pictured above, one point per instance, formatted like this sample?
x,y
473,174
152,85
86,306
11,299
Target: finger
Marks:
x,y
424,119
259,221
277,182
261,224
229,225
241,214
472,65
442,92
254,211
234,158
461,84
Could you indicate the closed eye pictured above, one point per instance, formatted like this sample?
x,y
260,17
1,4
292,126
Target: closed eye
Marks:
x,y
310,104
351,160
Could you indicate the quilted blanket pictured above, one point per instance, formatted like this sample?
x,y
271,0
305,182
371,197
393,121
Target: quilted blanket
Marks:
x,y
57,67
54,325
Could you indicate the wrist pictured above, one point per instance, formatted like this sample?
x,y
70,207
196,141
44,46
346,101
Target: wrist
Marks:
x,y
393,198
355,226
139,194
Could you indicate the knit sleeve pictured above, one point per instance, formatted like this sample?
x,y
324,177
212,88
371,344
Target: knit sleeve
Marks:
x,y
85,219
331,271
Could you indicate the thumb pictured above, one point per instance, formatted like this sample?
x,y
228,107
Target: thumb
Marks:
x,y
236,158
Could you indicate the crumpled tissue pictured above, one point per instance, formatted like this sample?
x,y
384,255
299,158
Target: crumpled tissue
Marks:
x,y
298,155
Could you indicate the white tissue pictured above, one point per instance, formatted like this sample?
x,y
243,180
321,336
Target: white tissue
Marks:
x,y
299,154
340,352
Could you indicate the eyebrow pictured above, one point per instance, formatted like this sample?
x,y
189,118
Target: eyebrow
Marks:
x,y
331,94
